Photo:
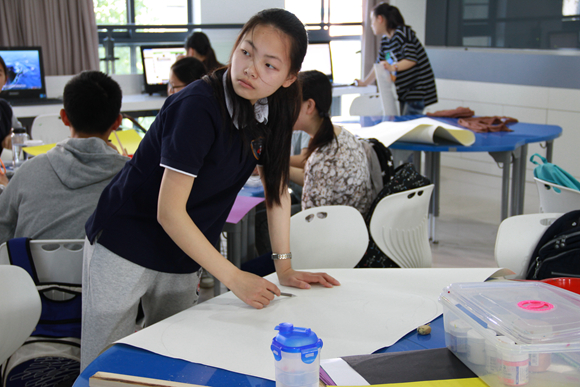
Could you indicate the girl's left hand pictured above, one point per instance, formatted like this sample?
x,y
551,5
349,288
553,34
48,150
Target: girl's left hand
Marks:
x,y
387,66
303,279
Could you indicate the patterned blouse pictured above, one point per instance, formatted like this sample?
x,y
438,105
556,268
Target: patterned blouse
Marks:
x,y
338,174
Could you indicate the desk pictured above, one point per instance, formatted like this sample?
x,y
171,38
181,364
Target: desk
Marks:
x,y
125,359
258,328
502,146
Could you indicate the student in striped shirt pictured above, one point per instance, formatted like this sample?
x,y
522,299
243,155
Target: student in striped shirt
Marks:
x,y
415,81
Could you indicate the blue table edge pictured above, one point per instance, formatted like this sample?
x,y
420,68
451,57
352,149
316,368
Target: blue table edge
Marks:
x,y
126,359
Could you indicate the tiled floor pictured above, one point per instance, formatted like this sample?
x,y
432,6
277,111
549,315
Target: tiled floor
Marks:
x,y
468,222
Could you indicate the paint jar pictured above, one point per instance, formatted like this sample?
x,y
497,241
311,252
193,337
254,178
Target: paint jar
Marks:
x,y
514,364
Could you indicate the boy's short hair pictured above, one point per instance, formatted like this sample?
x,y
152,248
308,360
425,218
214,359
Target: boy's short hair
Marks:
x,y
92,102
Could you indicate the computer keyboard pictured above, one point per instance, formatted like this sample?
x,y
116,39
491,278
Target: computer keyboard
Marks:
x,y
35,101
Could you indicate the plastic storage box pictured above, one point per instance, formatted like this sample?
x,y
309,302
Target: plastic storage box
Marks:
x,y
514,333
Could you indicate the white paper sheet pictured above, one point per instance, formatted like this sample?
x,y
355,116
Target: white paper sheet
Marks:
x,y
420,130
372,308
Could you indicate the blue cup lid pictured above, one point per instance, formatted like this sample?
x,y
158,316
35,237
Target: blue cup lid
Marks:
x,y
296,340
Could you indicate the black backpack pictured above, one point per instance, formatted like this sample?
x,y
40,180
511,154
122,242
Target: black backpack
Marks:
x,y
557,254
385,159
404,178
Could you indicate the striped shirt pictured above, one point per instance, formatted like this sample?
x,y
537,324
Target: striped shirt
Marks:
x,y
418,82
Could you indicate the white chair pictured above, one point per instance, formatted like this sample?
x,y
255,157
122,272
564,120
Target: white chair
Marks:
x,y
328,237
557,198
366,105
49,128
399,227
517,237
59,261
19,309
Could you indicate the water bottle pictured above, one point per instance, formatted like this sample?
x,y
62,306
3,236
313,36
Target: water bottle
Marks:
x,y
297,354
19,137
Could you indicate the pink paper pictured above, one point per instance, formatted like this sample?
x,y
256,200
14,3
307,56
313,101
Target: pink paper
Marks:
x,y
242,206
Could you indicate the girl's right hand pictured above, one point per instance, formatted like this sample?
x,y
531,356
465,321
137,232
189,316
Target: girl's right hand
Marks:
x,y
253,290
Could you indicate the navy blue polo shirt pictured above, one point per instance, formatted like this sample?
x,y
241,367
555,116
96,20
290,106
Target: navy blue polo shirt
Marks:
x,y
190,135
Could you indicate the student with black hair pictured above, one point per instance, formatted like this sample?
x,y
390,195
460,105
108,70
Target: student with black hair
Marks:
x,y
198,46
336,171
183,72
414,81
52,195
158,221
7,118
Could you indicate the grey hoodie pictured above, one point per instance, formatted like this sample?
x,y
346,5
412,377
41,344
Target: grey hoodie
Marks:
x,y
52,195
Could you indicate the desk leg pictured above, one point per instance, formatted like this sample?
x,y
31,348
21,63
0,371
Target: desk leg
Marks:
x,y
504,159
522,172
549,150
432,172
516,181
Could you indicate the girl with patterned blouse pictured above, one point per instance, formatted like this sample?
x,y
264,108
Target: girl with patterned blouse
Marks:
x,y
336,170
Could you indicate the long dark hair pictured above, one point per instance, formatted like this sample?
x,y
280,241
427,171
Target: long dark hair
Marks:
x,y
283,105
391,14
200,43
316,86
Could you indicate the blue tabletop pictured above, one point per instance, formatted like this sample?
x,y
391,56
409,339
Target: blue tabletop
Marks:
x,y
523,133
125,359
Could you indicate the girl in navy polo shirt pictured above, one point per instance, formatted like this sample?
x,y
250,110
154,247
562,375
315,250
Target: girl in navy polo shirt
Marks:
x,y
159,219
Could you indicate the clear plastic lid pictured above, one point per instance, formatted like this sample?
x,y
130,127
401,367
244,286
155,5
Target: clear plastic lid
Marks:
x,y
529,312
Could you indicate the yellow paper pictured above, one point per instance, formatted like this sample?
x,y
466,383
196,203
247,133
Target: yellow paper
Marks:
x,y
37,150
129,138
467,382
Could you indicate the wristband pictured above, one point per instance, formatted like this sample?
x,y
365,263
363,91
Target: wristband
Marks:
x,y
276,256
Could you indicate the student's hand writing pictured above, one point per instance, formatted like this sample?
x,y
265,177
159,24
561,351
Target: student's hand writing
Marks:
x,y
303,279
253,290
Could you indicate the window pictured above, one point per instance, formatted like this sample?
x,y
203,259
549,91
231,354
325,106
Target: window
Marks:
x,y
120,35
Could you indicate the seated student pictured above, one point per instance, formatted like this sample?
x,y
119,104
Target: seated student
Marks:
x,y
183,72
198,46
52,195
7,119
336,170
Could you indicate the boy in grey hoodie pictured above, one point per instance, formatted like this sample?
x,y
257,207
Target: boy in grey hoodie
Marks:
x,y
52,195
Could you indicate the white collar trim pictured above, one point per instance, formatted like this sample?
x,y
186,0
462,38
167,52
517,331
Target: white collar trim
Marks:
x,y
261,109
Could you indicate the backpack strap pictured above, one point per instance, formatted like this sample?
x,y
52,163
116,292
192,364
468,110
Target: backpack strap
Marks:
x,y
544,161
20,255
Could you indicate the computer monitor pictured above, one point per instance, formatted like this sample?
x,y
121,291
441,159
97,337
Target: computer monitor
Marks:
x,y
157,61
25,73
319,57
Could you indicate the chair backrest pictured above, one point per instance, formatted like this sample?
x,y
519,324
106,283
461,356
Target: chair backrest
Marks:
x,y
58,260
49,128
557,198
366,105
387,90
399,227
19,309
517,237
327,237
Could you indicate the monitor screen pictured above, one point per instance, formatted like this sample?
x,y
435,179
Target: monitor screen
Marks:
x,y
318,57
157,61
25,76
